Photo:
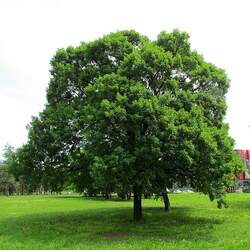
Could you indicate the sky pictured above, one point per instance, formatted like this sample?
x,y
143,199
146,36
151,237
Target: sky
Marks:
x,y
32,30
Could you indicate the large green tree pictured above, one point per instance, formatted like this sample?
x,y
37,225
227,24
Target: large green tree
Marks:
x,y
126,114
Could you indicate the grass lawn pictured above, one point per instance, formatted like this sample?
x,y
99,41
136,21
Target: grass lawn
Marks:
x,y
66,222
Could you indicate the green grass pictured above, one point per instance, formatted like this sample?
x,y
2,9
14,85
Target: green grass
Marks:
x,y
64,222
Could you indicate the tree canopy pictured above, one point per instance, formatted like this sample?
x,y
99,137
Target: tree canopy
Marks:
x,y
129,115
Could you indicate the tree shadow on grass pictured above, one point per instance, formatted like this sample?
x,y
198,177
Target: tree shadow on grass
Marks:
x,y
108,224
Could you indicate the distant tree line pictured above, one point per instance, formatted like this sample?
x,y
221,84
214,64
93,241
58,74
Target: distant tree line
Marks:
x,y
18,177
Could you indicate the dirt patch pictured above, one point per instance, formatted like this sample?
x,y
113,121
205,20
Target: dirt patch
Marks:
x,y
115,235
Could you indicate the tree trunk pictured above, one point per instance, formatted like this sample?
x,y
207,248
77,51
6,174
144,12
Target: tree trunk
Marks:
x,y
107,195
7,191
166,201
128,195
137,205
22,189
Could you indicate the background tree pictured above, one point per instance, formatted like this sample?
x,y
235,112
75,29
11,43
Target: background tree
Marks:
x,y
7,182
8,185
